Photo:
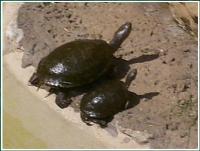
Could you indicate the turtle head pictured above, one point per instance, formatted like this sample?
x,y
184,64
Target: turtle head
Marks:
x,y
120,35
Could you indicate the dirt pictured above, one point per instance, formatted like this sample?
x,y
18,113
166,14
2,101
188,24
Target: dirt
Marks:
x,y
166,84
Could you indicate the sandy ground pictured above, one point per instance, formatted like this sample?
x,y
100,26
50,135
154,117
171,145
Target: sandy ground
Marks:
x,y
166,84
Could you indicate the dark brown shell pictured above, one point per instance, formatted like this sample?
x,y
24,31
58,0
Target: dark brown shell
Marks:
x,y
75,63
106,100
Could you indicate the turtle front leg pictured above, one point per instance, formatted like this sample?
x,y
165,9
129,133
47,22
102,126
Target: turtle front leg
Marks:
x,y
63,100
85,119
89,120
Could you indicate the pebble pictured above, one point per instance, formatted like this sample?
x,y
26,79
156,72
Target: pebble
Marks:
x,y
126,140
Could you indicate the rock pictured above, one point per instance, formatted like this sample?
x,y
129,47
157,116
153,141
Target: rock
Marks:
x,y
140,137
13,33
172,126
183,15
192,7
111,129
126,140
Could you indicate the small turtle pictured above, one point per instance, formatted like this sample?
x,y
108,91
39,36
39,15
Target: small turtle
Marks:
x,y
107,99
77,63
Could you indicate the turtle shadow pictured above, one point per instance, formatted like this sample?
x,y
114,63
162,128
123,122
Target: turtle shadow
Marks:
x,y
143,58
149,95
134,100
122,66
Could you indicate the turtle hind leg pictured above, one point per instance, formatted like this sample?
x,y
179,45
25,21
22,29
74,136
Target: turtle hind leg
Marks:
x,y
63,100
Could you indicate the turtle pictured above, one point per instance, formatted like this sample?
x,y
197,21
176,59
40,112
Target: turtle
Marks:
x,y
77,63
107,99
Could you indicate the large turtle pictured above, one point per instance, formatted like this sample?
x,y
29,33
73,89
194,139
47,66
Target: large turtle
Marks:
x,y
108,98
78,63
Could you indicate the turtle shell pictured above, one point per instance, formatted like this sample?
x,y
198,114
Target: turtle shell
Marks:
x,y
75,63
104,101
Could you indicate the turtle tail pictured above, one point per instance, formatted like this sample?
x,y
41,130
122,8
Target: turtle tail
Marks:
x,y
130,77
